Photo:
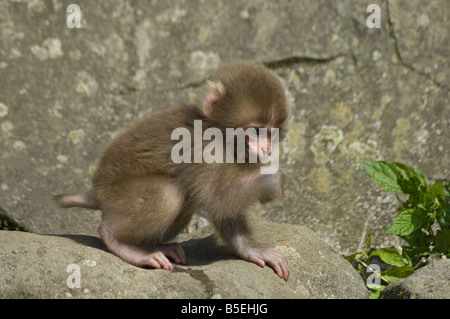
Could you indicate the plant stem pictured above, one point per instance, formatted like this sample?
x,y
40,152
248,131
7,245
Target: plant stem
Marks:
x,y
422,261
372,270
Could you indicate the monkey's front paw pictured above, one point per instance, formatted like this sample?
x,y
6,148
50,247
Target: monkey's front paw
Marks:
x,y
273,257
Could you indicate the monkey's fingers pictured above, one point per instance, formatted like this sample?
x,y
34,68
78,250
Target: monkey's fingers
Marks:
x,y
275,260
158,260
175,252
281,268
257,261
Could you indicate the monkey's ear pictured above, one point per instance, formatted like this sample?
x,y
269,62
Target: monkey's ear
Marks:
x,y
216,92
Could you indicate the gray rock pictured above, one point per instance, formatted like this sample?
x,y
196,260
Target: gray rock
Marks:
x,y
357,94
429,282
35,266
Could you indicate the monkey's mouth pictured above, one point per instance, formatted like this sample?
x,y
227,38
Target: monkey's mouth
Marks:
x,y
262,150
253,152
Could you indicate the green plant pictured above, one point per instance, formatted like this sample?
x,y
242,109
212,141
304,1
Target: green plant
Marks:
x,y
423,222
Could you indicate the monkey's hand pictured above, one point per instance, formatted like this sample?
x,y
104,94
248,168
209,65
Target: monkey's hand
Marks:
x,y
271,256
235,232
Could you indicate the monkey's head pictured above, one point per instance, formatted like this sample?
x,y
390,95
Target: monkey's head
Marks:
x,y
247,95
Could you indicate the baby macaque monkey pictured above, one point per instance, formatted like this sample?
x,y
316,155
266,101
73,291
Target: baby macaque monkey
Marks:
x,y
147,198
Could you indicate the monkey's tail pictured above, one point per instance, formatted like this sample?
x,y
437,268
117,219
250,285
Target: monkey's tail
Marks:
x,y
77,200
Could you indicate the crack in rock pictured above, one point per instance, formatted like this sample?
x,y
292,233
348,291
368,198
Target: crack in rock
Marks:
x,y
281,63
293,60
399,56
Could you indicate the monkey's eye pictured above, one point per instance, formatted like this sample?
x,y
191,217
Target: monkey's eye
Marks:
x,y
253,131
262,131
274,133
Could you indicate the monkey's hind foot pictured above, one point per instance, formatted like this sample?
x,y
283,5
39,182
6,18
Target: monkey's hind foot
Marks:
x,y
155,256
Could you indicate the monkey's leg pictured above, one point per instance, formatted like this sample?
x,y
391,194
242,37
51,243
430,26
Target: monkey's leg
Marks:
x,y
235,232
155,256
139,215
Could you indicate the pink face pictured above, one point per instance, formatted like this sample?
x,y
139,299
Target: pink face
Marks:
x,y
260,144
261,141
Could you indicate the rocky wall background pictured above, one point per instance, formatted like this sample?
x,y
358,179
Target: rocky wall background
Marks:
x,y
357,94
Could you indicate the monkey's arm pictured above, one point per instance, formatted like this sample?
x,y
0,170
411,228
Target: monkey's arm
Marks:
x,y
235,233
270,187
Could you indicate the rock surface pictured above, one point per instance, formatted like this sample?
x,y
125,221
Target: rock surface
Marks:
x,y
35,266
357,94
429,282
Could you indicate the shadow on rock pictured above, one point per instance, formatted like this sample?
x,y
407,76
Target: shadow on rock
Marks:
x,y
199,251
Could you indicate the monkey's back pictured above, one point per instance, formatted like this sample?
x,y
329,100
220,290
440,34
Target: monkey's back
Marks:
x,y
142,149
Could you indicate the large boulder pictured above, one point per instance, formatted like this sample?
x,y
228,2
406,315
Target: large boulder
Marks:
x,y
357,94
429,282
46,266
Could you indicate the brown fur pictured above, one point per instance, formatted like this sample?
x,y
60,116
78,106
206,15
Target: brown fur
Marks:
x,y
146,199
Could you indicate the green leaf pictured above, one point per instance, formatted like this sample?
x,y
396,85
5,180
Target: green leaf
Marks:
x,y
353,257
419,242
396,177
443,216
389,256
438,190
407,222
382,175
442,240
447,191
378,289
397,273
431,201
